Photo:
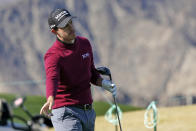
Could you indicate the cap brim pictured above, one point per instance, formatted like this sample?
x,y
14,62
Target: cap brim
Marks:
x,y
65,21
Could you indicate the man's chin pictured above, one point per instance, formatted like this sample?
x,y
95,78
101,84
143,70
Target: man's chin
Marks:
x,y
72,40
73,37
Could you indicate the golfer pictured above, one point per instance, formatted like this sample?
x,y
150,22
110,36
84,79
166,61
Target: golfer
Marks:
x,y
70,71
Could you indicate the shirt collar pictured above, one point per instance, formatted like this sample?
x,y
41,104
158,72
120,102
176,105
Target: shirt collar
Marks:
x,y
65,45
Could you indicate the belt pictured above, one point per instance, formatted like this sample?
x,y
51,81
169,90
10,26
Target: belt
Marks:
x,y
84,107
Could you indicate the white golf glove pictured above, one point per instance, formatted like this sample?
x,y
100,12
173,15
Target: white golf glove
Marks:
x,y
109,86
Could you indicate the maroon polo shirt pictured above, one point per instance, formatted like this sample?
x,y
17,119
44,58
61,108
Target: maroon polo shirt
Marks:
x,y
69,71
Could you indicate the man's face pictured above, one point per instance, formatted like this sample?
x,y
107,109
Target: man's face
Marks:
x,y
66,33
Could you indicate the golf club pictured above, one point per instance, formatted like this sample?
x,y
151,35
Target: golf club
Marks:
x,y
106,71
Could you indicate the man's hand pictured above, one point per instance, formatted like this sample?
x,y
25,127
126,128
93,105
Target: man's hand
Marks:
x,y
109,86
47,106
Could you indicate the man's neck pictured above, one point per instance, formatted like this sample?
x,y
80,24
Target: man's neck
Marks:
x,y
67,43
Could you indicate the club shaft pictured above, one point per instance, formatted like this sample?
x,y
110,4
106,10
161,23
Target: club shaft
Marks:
x,y
117,113
110,76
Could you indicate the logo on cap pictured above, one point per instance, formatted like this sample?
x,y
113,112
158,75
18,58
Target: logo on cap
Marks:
x,y
52,26
60,15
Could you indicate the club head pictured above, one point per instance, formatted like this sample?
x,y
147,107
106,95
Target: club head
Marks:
x,y
104,71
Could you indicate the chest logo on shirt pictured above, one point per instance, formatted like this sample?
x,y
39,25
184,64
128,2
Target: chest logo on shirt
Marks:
x,y
85,55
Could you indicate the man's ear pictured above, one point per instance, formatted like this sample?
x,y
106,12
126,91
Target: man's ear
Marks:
x,y
53,31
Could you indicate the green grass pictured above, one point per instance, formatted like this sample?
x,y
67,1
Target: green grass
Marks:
x,y
34,104
102,107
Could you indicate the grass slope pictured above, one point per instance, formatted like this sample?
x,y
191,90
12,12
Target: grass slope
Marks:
x,y
34,104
